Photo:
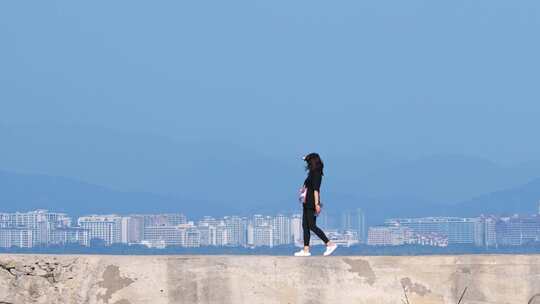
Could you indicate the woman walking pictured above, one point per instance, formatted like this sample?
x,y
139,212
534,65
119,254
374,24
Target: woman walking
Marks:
x,y
311,199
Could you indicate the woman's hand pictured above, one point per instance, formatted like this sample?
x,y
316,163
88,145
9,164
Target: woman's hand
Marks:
x,y
317,209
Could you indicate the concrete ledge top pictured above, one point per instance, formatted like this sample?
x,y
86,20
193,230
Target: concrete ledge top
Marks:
x,y
120,279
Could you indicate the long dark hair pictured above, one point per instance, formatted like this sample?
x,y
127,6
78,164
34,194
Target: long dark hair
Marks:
x,y
314,163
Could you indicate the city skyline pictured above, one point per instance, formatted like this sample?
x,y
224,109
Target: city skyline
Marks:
x,y
43,228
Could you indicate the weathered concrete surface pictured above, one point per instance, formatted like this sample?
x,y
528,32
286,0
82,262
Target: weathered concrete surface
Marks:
x,y
266,279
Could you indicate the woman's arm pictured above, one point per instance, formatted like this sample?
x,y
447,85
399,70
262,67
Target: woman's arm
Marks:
x,y
317,201
316,179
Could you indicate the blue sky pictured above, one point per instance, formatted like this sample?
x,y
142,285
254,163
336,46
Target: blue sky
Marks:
x,y
405,78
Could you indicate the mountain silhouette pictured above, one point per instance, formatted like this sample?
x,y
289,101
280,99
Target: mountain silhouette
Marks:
x,y
524,199
23,192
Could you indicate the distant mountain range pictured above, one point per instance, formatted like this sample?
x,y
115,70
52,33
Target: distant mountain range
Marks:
x,y
445,179
524,199
21,192
133,162
216,178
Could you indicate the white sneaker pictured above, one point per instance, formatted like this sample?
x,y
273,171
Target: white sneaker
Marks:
x,y
302,253
329,250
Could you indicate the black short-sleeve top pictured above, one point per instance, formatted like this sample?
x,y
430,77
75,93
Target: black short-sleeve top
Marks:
x,y
312,183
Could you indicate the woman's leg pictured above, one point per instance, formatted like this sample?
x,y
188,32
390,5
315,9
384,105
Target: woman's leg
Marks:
x,y
312,224
305,227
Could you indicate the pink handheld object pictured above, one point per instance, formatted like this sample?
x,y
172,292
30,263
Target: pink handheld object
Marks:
x,y
302,195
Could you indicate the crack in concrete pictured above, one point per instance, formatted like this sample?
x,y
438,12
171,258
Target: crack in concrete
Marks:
x,y
534,299
8,269
49,271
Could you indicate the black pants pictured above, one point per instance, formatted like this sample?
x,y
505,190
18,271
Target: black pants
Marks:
x,y
309,223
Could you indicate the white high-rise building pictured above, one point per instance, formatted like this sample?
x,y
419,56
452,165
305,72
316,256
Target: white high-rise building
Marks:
x,y
192,237
16,237
296,229
235,231
124,230
355,220
388,235
222,237
165,219
263,236
250,235
175,219
458,230
167,235
107,228
208,231
490,235
135,229
152,220
208,220
184,235
517,230
259,220
207,234
281,230
71,235
40,222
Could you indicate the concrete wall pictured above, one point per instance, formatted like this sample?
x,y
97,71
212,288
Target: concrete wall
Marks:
x,y
266,279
